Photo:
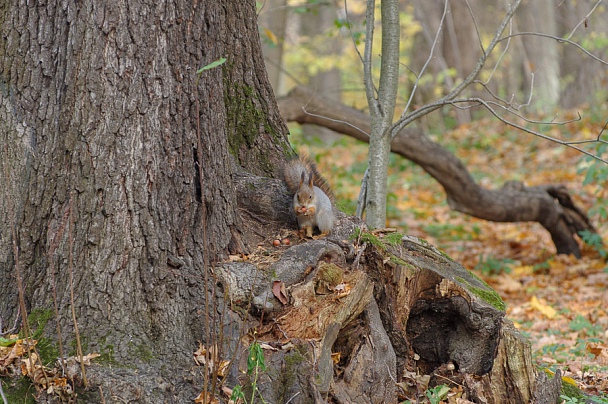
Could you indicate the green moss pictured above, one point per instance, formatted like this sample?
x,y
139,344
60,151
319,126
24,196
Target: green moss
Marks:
x,y
84,344
487,294
294,359
18,390
142,352
106,355
38,320
393,239
399,261
289,372
373,240
46,347
368,237
330,274
444,255
244,119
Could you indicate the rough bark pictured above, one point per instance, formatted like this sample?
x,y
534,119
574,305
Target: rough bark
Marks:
x,y
116,170
549,205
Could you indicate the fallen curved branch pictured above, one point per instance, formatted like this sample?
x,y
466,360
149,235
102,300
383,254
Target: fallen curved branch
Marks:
x,y
549,205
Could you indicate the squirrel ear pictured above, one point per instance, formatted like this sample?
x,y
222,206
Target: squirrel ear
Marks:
x,y
310,180
302,178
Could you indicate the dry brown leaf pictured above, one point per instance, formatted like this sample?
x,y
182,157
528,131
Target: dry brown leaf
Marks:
x,y
87,358
278,290
600,351
223,368
206,398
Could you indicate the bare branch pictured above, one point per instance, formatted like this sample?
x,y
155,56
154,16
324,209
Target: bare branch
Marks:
x,y
335,120
584,19
367,58
502,55
531,90
572,144
475,25
560,40
414,115
350,29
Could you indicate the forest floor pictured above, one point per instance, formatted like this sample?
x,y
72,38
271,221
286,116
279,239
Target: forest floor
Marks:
x,y
559,302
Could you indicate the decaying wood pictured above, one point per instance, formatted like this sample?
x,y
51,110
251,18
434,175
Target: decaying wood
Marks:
x,y
368,334
548,205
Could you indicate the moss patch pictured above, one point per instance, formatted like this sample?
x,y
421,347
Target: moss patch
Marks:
x,y
390,239
18,390
46,347
141,352
487,294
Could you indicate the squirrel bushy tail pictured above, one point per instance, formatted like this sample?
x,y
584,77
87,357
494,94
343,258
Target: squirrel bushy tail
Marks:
x,y
292,175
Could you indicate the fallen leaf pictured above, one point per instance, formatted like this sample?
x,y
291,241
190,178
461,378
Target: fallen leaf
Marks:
x,y
87,358
278,290
206,398
544,308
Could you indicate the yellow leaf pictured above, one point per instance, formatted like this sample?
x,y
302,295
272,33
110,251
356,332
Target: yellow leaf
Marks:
x,y
544,308
569,380
523,270
271,36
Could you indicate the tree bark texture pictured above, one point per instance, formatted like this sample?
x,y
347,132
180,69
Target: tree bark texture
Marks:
x,y
549,205
116,166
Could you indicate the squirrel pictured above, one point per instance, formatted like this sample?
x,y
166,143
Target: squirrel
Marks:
x,y
312,200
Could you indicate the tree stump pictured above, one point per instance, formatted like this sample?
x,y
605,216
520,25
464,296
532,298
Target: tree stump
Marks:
x,y
380,319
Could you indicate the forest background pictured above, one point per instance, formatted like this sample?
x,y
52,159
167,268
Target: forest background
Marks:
x,y
120,124
558,301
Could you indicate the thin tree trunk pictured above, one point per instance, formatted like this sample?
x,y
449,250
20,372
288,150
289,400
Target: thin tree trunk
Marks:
x,y
381,109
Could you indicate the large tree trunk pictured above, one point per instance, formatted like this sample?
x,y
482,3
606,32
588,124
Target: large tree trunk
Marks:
x,y
116,170
512,203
